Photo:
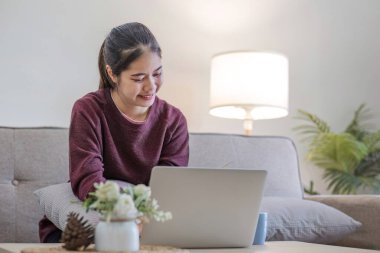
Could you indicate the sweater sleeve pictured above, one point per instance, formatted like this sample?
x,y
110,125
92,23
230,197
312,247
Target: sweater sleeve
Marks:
x,y
85,150
175,151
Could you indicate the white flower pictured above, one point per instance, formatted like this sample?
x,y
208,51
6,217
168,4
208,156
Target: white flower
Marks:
x,y
163,216
142,190
168,216
124,208
108,191
155,205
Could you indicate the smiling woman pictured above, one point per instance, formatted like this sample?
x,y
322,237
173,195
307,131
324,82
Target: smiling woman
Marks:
x,y
122,130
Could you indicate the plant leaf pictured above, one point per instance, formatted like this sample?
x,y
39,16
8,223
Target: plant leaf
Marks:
x,y
337,151
313,128
372,141
369,166
356,127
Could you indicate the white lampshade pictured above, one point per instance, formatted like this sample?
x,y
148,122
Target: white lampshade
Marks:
x,y
249,85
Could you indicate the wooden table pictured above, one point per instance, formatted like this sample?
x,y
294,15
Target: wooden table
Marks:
x,y
269,247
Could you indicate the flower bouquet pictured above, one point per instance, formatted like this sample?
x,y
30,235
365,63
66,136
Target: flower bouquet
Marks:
x,y
121,209
129,203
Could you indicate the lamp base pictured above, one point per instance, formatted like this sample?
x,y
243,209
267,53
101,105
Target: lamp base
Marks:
x,y
248,126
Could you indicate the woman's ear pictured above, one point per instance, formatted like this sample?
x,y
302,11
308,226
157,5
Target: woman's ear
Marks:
x,y
110,74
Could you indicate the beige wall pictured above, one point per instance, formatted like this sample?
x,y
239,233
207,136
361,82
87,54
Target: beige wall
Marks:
x,y
49,50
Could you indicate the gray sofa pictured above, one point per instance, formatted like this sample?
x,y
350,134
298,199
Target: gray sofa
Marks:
x,y
32,158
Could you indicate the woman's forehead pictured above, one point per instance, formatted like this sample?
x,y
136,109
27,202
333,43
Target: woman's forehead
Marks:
x,y
147,62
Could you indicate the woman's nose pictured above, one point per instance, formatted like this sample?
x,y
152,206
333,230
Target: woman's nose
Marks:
x,y
149,84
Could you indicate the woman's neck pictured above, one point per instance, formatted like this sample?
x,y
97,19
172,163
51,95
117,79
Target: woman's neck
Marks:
x,y
137,114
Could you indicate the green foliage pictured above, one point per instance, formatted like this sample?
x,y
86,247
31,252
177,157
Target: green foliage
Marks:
x,y
310,190
356,126
351,159
314,127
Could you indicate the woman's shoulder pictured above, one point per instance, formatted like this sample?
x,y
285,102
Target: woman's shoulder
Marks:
x,y
172,118
93,100
168,110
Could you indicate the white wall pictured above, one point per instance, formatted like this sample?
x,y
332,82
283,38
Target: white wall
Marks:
x,y
48,56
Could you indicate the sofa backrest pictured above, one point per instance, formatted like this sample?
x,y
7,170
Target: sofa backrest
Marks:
x,y
275,154
29,159
32,158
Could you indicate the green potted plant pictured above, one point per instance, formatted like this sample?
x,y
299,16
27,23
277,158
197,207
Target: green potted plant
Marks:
x,y
350,159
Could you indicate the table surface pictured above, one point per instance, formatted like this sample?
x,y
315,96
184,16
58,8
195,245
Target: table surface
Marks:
x,y
269,247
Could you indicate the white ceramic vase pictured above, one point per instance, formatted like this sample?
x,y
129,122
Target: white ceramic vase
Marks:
x,y
117,236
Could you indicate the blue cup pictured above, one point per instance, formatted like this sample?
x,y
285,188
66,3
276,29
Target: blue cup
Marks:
x,y
261,229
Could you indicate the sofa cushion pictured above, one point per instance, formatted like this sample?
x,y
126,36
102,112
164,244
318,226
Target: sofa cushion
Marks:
x,y
57,208
292,219
57,201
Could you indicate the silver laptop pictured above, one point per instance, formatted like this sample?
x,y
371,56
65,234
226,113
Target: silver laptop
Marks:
x,y
211,208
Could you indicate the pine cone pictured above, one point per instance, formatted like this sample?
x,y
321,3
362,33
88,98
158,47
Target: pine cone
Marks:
x,y
77,235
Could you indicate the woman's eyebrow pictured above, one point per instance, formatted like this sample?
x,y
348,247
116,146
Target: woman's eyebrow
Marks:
x,y
160,67
141,74
138,74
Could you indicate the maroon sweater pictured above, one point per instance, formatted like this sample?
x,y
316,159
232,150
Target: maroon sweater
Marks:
x,y
103,144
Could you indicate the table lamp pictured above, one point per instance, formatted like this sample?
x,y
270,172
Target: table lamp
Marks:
x,y
249,86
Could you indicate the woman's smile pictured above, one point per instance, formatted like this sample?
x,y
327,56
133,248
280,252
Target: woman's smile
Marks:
x,y
147,97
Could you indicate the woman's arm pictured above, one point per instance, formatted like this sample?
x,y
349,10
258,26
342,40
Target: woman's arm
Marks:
x,y
85,150
175,151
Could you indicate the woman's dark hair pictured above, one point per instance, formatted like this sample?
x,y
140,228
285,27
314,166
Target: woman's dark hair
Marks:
x,y
123,45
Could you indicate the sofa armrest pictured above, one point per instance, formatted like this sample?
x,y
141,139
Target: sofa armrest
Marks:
x,y
363,208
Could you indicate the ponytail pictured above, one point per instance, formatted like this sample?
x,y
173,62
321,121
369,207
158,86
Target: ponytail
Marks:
x,y
104,81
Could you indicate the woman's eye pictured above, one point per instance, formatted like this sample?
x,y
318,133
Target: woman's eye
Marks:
x,y
157,75
138,80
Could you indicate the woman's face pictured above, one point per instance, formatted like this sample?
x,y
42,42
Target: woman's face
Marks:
x,y
137,86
